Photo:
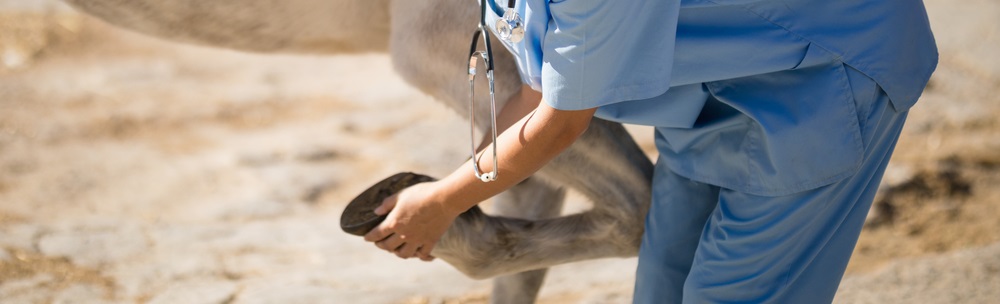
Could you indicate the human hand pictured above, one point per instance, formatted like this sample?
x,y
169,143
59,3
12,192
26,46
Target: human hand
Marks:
x,y
416,221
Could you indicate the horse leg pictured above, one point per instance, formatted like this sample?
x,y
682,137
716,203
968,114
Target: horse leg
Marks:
x,y
607,167
532,199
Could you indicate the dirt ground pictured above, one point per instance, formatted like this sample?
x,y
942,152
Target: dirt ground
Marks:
x,y
134,169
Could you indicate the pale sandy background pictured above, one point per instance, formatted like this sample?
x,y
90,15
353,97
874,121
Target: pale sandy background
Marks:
x,y
137,170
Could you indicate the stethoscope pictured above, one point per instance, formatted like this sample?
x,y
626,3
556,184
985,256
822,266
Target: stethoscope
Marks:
x,y
510,29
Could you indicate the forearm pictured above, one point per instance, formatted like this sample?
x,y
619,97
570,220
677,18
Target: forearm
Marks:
x,y
516,108
523,149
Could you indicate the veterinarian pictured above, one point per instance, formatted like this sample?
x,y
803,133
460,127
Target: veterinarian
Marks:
x,y
774,122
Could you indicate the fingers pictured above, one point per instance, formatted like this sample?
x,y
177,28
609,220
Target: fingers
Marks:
x,y
377,234
382,231
407,250
387,205
397,245
391,243
424,253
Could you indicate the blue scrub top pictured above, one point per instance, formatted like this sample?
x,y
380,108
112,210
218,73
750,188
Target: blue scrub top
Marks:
x,y
781,64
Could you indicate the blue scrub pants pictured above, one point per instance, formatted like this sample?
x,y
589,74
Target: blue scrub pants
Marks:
x,y
706,244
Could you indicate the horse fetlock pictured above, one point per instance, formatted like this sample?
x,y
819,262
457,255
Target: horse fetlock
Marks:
x,y
465,245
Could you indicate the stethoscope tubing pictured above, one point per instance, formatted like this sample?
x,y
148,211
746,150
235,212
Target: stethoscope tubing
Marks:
x,y
510,29
487,57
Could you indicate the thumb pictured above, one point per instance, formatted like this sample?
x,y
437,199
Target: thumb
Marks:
x,y
387,205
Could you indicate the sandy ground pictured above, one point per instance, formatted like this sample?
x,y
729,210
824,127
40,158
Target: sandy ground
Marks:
x,y
138,170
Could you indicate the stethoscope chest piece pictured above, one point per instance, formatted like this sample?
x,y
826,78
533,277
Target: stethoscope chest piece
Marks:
x,y
510,28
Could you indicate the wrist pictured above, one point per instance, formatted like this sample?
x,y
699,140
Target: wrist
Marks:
x,y
445,198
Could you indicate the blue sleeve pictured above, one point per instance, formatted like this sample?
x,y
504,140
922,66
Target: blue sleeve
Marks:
x,y
599,52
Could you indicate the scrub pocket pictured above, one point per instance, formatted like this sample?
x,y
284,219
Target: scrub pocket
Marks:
x,y
778,133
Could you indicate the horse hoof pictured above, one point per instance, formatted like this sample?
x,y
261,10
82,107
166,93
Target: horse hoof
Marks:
x,y
359,216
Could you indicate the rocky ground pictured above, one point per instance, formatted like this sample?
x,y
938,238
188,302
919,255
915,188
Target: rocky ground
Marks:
x,y
138,170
